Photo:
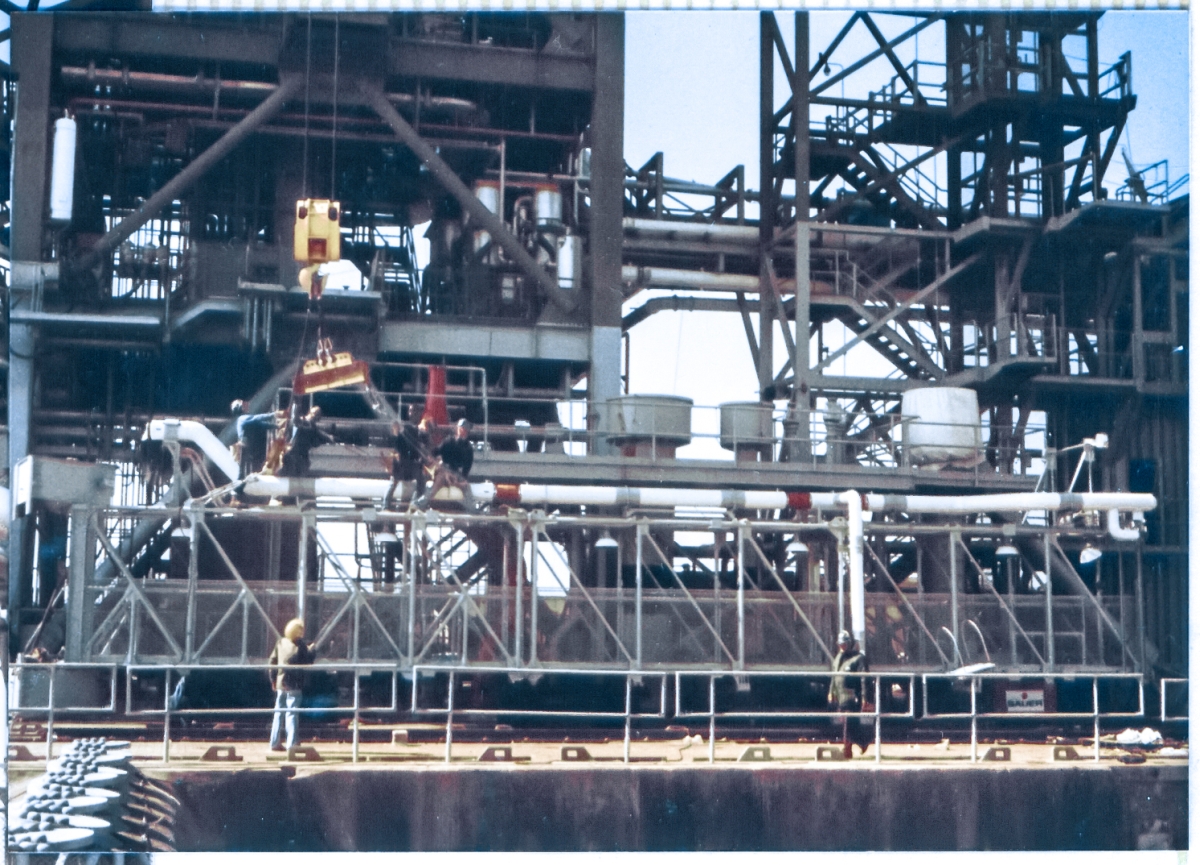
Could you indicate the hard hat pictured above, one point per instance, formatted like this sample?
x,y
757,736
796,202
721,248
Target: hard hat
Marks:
x,y
844,637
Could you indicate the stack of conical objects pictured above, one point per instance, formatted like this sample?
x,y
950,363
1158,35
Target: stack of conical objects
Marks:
x,y
91,798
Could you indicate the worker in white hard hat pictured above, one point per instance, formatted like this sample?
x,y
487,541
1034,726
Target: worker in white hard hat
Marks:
x,y
845,694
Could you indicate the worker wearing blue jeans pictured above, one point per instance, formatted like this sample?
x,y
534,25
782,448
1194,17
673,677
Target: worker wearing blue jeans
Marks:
x,y
289,653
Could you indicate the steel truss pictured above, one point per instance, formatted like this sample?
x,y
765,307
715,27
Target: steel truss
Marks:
x,y
717,592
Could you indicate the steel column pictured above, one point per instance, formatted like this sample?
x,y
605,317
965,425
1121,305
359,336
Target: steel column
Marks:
x,y
32,48
605,230
800,358
83,563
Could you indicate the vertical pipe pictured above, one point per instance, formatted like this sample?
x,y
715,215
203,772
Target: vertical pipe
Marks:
x,y
306,525
637,603
1141,609
1095,719
1012,604
1049,605
741,596
854,542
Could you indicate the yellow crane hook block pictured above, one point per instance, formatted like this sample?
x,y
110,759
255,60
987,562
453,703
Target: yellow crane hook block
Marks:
x,y
329,370
318,235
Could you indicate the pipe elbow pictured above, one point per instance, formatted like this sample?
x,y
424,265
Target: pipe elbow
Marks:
x,y
1119,534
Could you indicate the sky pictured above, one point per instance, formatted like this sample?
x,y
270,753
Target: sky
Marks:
x,y
692,92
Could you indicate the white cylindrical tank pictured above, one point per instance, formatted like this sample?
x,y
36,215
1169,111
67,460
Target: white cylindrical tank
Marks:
x,y
548,206
941,424
570,262
62,171
746,425
642,417
488,193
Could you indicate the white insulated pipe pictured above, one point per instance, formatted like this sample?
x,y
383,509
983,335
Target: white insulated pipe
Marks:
x,y
854,511
194,432
693,231
693,280
1119,534
538,495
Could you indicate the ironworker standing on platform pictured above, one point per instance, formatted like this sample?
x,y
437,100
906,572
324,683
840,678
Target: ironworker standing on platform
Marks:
x,y
289,653
411,446
306,436
845,694
456,456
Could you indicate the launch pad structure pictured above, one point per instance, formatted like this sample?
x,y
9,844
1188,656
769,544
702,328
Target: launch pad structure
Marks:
x,y
1000,511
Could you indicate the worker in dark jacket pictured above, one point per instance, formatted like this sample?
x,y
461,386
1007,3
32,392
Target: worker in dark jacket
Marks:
x,y
305,437
289,653
411,454
845,694
455,458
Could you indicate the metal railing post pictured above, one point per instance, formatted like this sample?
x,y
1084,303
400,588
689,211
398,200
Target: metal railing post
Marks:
x,y
354,737
533,594
519,626
974,722
1049,600
712,719
741,596
195,514
449,715
637,608
628,712
955,540
878,720
1096,718
167,716
412,591
50,719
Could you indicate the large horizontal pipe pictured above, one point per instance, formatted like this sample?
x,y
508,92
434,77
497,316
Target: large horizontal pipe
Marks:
x,y
696,280
162,82
747,234
597,496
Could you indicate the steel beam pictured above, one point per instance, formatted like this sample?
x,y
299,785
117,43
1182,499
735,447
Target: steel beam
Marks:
x,y
446,176
880,323
196,169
